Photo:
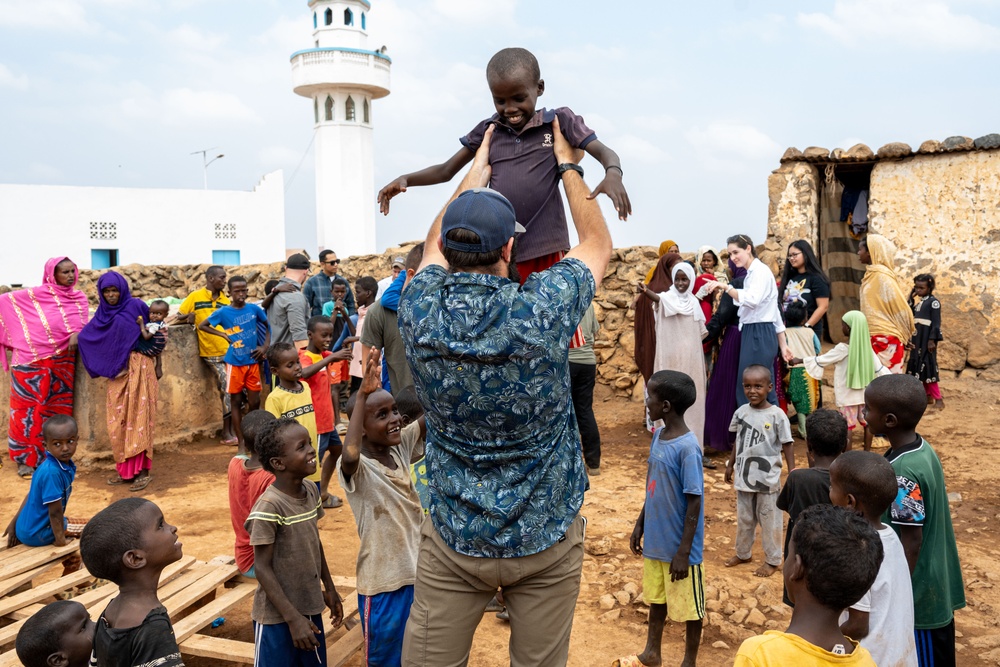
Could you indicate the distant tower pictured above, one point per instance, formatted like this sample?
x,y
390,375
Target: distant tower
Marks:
x,y
342,77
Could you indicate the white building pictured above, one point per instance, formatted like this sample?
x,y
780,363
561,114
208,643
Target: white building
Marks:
x,y
102,227
342,76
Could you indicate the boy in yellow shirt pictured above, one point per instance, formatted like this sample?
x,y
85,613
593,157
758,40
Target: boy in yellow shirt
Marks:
x,y
833,559
290,397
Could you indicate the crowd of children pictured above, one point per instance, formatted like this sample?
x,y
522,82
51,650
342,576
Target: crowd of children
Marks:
x,y
869,558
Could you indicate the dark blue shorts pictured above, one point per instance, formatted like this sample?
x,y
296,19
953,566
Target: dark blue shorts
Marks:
x,y
327,439
383,619
273,646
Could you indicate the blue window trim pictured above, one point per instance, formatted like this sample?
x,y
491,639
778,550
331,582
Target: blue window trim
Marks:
x,y
377,54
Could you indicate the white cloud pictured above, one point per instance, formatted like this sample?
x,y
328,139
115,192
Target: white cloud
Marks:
x,y
654,123
10,80
183,106
630,147
56,15
737,140
915,23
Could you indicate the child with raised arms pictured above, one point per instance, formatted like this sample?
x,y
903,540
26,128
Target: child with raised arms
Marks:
x,y
882,620
375,473
241,326
805,487
754,469
290,397
294,579
129,543
247,481
920,515
61,634
670,531
524,167
833,558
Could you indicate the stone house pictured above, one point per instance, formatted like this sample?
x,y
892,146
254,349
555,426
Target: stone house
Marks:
x,y
940,205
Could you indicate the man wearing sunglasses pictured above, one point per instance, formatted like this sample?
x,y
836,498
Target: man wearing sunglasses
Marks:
x,y
318,290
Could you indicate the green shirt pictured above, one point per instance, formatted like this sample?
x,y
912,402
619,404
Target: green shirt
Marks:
x,y
923,501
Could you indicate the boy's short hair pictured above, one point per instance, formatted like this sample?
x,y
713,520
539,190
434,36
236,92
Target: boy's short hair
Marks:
x,y
368,284
349,406
41,635
901,395
795,315
235,279
826,432
339,280
159,302
673,386
270,285
276,350
408,404
215,268
511,60
106,537
251,425
269,443
315,321
869,477
758,368
841,554
415,257
55,422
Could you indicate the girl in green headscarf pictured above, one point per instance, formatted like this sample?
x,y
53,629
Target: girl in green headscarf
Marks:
x,y
855,365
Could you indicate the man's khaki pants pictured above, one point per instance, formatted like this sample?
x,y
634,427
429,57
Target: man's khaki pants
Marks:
x,y
452,590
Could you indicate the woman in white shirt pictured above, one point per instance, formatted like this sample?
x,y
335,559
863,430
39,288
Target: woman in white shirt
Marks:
x,y
763,330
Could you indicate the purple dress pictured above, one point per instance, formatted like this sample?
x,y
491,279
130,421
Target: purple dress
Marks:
x,y
720,401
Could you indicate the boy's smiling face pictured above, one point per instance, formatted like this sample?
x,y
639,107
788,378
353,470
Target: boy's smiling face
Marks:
x,y
382,420
297,454
756,386
321,337
514,96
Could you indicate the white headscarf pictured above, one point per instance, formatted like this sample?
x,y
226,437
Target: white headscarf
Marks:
x,y
682,303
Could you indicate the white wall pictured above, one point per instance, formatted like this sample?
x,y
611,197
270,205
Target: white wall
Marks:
x,y
153,226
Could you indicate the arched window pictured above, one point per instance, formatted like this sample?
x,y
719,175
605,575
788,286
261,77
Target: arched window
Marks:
x,y
366,111
316,108
363,21
315,21
348,17
329,108
349,109
328,17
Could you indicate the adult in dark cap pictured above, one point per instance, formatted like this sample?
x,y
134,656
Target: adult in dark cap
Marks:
x,y
289,311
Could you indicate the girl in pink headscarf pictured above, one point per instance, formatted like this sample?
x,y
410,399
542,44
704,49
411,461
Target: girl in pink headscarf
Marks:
x,y
38,331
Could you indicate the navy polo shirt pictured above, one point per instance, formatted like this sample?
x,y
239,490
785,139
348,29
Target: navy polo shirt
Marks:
x,y
525,172
51,482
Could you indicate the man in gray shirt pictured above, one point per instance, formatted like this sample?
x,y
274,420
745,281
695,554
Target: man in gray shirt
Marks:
x,y
289,312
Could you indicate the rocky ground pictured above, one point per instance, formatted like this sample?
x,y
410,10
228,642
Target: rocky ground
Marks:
x,y
190,487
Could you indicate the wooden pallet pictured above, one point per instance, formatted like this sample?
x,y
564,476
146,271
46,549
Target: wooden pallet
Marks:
x,y
216,586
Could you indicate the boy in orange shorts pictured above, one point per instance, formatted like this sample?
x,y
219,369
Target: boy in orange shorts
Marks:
x,y
239,322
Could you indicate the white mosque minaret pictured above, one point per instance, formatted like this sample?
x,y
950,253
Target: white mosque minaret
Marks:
x,y
342,77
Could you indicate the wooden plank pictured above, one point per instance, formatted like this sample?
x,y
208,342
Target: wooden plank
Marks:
x,y
25,612
345,647
91,600
13,583
64,583
194,572
9,659
218,648
34,557
199,589
189,625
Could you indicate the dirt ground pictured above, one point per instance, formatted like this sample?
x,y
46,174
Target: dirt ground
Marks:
x,y
190,487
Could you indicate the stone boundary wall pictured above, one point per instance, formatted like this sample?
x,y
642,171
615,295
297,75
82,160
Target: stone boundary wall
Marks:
x,y
617,374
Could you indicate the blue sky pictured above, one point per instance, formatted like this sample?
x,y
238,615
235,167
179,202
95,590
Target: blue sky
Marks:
x,y
699,99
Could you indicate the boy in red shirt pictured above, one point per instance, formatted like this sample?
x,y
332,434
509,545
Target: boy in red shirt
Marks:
x,y
315,358
247,481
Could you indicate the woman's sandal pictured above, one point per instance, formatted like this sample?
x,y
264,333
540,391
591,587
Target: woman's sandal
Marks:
x,y
332,502
232,442
628,661
140,483
24,471
118,480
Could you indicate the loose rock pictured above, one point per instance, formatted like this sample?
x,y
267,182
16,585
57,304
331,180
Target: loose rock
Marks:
x,y
610,616
623,598
720,644
607,601
755,617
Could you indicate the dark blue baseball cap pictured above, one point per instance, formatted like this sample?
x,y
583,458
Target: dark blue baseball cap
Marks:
x,y
485,212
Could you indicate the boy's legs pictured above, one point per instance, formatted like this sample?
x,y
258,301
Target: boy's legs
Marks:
x,y
769,517
936,648
582,379
330,450
383,619
273,646
746,526
218,368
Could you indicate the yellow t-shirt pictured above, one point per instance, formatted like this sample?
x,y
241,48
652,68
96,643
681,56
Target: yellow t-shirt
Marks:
x,y
297,405
200,303
780,649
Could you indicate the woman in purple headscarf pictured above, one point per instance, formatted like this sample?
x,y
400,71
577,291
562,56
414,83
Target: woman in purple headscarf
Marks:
x,y
107,347
720,403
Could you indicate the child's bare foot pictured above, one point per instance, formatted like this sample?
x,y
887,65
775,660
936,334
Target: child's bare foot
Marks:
x,y
765,570
939,404
736,560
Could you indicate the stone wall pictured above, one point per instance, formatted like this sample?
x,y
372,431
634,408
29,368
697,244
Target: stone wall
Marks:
x,y
792,211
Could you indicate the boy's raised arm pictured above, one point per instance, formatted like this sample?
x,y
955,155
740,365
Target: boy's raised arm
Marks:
x,y
438,173
350,459
594,248
612,183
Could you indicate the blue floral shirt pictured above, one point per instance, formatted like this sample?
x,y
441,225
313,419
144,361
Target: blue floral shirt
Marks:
x,y
489,363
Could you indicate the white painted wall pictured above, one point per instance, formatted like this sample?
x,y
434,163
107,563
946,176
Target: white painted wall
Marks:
x,y
153,226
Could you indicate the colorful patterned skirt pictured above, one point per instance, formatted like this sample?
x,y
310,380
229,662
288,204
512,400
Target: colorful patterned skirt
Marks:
x,y
131,413
803,391
37,391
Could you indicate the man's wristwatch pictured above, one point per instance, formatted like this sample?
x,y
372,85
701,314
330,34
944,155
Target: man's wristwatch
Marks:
x,y
567,166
